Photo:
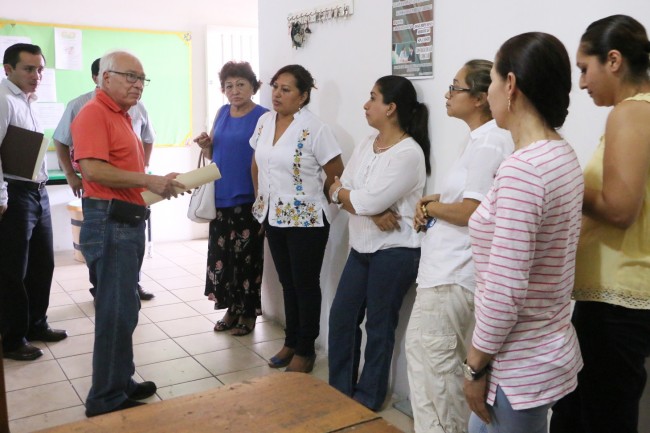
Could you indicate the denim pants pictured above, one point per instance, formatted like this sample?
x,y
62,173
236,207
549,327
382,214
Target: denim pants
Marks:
x,y
26,263
372,285
614,341
505,419
298,257
114,253
441,323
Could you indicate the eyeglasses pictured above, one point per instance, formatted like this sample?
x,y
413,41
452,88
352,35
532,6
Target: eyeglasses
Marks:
x,y
453,88
133,78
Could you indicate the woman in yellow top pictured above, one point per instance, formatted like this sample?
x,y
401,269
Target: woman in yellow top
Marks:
x,y
612,283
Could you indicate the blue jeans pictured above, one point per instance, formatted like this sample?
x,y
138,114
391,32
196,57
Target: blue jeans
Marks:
x,y
372,285
114,253
298,257
26,263
614,341
505,419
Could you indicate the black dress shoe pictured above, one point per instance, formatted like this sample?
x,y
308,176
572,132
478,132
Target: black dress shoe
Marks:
x,y
126,404
143,390
144,296
26,352
47,334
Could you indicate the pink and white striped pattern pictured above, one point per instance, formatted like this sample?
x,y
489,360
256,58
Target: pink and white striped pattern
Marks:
x,y
524,239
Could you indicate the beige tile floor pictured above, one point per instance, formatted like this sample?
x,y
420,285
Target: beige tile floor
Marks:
x,y
174,344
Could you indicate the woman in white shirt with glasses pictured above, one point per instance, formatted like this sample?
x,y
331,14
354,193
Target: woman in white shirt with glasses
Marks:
x,y
443,314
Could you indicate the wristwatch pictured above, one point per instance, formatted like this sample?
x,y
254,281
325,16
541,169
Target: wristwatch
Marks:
x,y
335,195
470,374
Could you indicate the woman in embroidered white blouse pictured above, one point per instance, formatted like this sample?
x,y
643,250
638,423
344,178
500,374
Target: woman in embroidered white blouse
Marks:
x,y
292,150
383,181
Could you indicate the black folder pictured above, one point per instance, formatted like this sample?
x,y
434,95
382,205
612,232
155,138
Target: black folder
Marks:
x,y
22,152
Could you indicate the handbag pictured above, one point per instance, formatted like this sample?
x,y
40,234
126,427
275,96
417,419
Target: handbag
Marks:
x,y
202,208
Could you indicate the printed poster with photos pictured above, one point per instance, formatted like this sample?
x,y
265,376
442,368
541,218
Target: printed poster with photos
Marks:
x,y
412,50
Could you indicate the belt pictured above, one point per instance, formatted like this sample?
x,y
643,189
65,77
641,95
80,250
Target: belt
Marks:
x,y
34,186
133,214
93,203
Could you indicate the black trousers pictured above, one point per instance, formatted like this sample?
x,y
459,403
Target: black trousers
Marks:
x,y
298,256
26,263
615,341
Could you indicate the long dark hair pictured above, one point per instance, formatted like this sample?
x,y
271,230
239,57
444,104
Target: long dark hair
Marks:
x,y
622,33
412,115
542,67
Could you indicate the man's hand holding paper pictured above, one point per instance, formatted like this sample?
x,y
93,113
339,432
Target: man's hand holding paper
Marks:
x,y
165,186
182,183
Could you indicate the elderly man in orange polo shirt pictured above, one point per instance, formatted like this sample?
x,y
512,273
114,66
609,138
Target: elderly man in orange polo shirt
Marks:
x,y
111,158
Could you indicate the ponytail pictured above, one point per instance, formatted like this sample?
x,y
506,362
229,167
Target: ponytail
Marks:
x,y
418,128
412,115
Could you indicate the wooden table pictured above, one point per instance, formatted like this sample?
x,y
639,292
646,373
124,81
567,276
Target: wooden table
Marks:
x,y
286,402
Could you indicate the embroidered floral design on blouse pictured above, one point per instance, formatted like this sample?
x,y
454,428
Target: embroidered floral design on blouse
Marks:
x,y
297,157
258,207
298,213
259,132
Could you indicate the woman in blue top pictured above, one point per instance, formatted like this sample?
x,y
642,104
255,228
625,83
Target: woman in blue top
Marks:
x,y
235,242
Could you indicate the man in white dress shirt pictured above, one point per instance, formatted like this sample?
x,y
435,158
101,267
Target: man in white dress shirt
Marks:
x,y
26,252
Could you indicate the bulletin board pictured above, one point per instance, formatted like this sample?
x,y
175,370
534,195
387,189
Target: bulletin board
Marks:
x,y
166,58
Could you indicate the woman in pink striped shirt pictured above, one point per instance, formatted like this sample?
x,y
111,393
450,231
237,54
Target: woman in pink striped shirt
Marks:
x,y
524,353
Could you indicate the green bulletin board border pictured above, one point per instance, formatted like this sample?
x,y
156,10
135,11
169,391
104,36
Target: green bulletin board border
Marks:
x,y
165,55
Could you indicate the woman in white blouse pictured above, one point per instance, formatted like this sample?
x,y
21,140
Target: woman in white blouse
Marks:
x,y
292,150
379,188
443,313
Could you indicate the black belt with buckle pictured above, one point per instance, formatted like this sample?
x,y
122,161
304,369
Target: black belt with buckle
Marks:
x,y
34,186
95,203
119,210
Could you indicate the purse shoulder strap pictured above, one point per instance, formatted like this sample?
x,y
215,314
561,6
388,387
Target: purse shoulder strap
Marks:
x,y
201,162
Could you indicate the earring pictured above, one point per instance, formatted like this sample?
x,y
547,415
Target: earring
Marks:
x,y
387,114
509,104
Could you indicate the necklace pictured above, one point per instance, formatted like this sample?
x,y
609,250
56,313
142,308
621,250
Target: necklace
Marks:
x,y
381,149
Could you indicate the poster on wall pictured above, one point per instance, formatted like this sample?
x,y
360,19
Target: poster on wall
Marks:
x,y
412,50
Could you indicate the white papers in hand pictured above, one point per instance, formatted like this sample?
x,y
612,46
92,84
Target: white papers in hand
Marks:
x,y
191,180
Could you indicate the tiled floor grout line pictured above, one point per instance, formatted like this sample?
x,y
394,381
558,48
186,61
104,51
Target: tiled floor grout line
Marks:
x,y
69,273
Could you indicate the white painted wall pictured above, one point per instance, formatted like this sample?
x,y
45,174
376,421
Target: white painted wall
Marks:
x,y
169,218
347,56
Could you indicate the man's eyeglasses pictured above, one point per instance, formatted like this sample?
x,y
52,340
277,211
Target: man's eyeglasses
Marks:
x,y
133,78
453,88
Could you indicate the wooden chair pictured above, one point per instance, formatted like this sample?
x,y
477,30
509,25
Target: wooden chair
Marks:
x,y
4,417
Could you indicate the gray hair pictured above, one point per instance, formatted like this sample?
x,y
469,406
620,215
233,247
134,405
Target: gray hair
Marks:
x,y
107,63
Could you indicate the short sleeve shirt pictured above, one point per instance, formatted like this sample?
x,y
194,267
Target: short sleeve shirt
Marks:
x,y
290,173
102,130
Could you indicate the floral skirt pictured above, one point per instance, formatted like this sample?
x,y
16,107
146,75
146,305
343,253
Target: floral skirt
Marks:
x,y
235,261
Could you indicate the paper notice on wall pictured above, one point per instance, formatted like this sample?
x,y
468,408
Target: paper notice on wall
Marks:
x,y
191,180
46,90
7,41
412,50
48,114
67,48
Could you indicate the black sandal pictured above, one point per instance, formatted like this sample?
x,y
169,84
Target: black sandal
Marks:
x,y
241,329
222,325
